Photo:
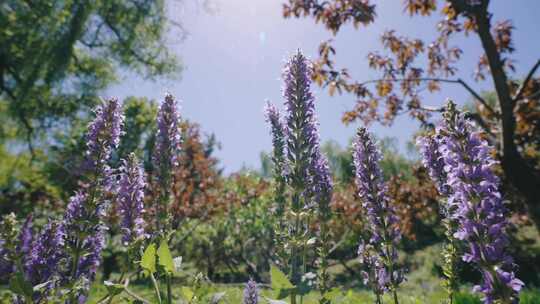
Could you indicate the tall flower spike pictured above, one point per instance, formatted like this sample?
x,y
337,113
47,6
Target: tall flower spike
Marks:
x,y
479,208
167,145
165,155
89,263
46,255
301,128
434,162
103,135
384,234
308,174
25,238
278,156
130,199
76,213
373,270
251,293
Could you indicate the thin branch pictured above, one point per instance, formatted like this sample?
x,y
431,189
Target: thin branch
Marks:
x,y
454,81
521,89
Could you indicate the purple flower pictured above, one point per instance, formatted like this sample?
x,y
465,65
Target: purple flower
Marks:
x,y
308,165
373,272
46,255
434,162
167,145
278,137
384,235
251,293
77,213
130,199
25,237
90,261
479,209
6,265
165,158
103,135
320,183
278,158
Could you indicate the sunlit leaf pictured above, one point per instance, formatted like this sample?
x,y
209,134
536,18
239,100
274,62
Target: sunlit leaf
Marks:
x,y
148,261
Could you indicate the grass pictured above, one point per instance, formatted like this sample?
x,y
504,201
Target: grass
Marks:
x,y
233,294
422,286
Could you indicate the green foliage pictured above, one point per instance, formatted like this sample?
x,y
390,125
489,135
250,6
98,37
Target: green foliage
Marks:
x,y
148,260
236,241
165,259
280,283
23,186
55,70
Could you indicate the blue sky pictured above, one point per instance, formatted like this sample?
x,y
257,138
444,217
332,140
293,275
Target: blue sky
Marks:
x,y
234,54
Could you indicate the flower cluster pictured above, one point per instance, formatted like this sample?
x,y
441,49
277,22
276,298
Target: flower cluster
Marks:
x,y
384,234
103,135
477,206
165,157
373,274
25,237
301,124
280,167
45,256
434,162
130,199
307,164
251,293
83,227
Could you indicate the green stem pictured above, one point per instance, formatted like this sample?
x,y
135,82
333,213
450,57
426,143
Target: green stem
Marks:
x,y
293,297
136,296
156,287
169,293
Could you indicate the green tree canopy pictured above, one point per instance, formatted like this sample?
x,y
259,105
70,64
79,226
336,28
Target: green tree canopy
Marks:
x,y
55,56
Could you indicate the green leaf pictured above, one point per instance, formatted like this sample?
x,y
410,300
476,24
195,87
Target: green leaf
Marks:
x,y
20,286
148,261
165,258
187,293
279,279
113,289
280,283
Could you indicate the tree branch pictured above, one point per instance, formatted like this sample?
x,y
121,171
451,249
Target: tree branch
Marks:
x,y
454,81
521,89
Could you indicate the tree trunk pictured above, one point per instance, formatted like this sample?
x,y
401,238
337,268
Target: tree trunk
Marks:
x,y
524,177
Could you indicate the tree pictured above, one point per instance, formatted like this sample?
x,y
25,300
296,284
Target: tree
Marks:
x,y
402,76
55,56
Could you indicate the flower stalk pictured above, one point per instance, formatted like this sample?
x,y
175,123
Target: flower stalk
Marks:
x,y
380,257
